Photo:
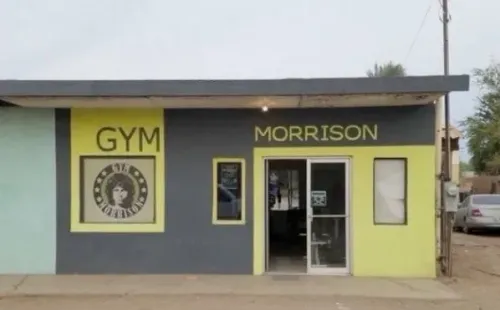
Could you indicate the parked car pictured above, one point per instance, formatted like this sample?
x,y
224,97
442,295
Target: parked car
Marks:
x,y
478,212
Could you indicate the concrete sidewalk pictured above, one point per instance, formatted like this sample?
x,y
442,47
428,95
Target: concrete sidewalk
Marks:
x,y
106,285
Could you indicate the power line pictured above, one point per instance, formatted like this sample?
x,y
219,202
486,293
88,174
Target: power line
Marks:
x,y
422,23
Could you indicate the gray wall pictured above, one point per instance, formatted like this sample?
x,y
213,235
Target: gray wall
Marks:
x,y
190,243
396,125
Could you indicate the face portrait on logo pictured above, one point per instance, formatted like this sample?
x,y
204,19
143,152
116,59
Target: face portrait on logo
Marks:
x,y
118,190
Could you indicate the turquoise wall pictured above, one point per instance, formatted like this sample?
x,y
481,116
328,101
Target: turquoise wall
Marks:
x,y
27,191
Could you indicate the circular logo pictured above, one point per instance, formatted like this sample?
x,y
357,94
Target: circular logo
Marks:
x,y
120,190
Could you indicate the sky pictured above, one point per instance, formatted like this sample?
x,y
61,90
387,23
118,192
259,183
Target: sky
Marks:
x,y
227,39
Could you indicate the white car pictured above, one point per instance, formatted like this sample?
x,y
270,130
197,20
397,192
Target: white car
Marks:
x,y
478,212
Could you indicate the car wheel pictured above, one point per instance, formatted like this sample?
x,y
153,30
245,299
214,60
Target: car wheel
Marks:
x,y
466,230
456,229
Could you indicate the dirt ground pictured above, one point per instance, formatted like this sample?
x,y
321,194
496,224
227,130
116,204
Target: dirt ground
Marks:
x,y
476,277
476,269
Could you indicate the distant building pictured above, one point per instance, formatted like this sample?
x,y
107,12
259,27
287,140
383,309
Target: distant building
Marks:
x,y
455,136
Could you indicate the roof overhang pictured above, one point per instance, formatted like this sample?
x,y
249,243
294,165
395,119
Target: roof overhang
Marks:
x,y
285,93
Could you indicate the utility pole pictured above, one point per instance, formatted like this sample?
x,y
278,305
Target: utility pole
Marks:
x,y
446,58
446,217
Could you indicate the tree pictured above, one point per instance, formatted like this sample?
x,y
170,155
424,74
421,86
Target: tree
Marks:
x,y
465,166
482,128
387,69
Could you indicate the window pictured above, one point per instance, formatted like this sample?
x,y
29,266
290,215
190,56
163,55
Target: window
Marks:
x,y
390,189
486,199
228,206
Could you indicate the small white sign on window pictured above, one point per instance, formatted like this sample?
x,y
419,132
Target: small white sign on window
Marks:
x,y
318,198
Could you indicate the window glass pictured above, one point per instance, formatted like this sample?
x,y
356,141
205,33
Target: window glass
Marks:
x,y
486,200
284,190
390,191
224,196
229,200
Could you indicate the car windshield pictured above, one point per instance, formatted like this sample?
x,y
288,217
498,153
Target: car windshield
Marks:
x,y
486,200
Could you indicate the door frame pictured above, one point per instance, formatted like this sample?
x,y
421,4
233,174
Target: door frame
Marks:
x,y
260,216
310,217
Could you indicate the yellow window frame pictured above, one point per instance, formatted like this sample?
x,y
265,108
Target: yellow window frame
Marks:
x,y
215,162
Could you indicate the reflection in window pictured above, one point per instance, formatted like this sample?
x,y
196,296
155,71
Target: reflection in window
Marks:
x,y
283,190
390,191
228,191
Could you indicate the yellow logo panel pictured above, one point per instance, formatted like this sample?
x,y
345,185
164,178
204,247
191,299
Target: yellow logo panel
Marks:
x,y
117,170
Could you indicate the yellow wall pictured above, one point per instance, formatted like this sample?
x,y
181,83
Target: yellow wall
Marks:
x,y
376,250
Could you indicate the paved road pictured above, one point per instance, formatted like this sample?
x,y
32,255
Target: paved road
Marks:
x,y
476,277
224,302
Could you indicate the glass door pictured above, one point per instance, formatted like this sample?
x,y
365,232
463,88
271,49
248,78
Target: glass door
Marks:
x,y
328,216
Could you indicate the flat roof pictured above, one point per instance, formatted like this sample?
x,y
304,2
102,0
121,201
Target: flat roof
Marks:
x,y
192,88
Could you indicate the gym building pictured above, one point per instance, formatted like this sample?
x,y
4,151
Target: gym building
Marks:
x,y
294,176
